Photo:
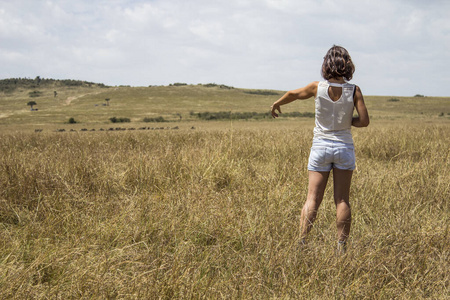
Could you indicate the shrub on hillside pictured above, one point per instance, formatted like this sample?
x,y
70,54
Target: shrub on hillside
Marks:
x,y
119,120
155,120
34,94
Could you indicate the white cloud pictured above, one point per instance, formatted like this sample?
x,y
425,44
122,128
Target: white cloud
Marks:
x,y
399,47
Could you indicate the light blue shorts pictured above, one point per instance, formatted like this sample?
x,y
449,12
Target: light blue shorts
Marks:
x,y
327,154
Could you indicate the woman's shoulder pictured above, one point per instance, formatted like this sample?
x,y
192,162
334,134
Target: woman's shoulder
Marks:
x,y
312,86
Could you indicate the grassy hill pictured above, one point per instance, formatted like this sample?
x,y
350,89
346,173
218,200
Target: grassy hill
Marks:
x,y
85,103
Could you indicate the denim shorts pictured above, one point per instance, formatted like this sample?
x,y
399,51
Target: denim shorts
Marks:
x,y
328,154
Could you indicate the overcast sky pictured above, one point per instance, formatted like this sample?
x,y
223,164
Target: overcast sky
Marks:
x,y
399,47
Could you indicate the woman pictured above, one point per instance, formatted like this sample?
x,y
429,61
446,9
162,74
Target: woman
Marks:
x,y
332,147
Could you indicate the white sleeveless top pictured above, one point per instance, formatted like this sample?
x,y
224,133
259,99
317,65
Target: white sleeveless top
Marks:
x,y
334,118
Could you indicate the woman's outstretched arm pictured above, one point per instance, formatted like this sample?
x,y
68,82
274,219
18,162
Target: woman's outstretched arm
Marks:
x,y
302,93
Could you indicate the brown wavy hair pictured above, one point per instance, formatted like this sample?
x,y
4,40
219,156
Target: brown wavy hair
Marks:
x,y
337,63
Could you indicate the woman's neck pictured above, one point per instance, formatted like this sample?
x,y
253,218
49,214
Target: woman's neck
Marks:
x,y
337,80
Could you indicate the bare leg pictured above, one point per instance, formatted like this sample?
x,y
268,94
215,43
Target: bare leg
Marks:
x,y
342,180
316,189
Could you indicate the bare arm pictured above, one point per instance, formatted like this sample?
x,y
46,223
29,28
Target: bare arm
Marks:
x,y
301,93
362,120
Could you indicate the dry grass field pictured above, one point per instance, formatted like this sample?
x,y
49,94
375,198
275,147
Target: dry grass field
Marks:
x,y
213,212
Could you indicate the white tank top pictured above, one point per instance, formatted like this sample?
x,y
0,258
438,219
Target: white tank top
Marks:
x,y
334,118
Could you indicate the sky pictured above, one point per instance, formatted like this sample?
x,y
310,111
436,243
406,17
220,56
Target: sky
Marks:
x,y
399,47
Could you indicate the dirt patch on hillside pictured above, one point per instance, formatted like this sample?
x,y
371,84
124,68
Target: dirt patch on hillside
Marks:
x,y
4,115
72,98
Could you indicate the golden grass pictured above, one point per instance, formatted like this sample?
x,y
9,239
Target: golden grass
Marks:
x,y
215,213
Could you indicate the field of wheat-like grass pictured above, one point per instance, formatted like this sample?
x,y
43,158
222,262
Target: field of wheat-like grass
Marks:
x,y
214,214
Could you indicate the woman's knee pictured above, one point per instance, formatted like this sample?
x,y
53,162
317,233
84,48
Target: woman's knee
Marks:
x,y
344,201
312,204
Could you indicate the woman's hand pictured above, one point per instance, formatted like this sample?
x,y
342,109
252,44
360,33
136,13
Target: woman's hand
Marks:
x,y
274,108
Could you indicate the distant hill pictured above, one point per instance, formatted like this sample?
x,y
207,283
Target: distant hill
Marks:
x,y
58,101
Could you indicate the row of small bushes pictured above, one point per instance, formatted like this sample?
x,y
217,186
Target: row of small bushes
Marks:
x,y
11,84
222,115
124,120
262,92
222,86
227,115
155,120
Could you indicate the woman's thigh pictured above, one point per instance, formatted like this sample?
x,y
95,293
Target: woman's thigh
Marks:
x,y
316,186
342,180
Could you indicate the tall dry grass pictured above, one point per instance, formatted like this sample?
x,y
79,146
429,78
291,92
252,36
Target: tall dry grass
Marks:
x,y
215,214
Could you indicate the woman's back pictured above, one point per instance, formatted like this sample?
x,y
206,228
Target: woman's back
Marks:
x,y
334,116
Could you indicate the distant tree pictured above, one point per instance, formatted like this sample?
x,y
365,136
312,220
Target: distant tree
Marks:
x,y
31,104
107,101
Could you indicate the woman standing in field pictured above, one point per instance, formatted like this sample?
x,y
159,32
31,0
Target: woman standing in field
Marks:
x,y
332,147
